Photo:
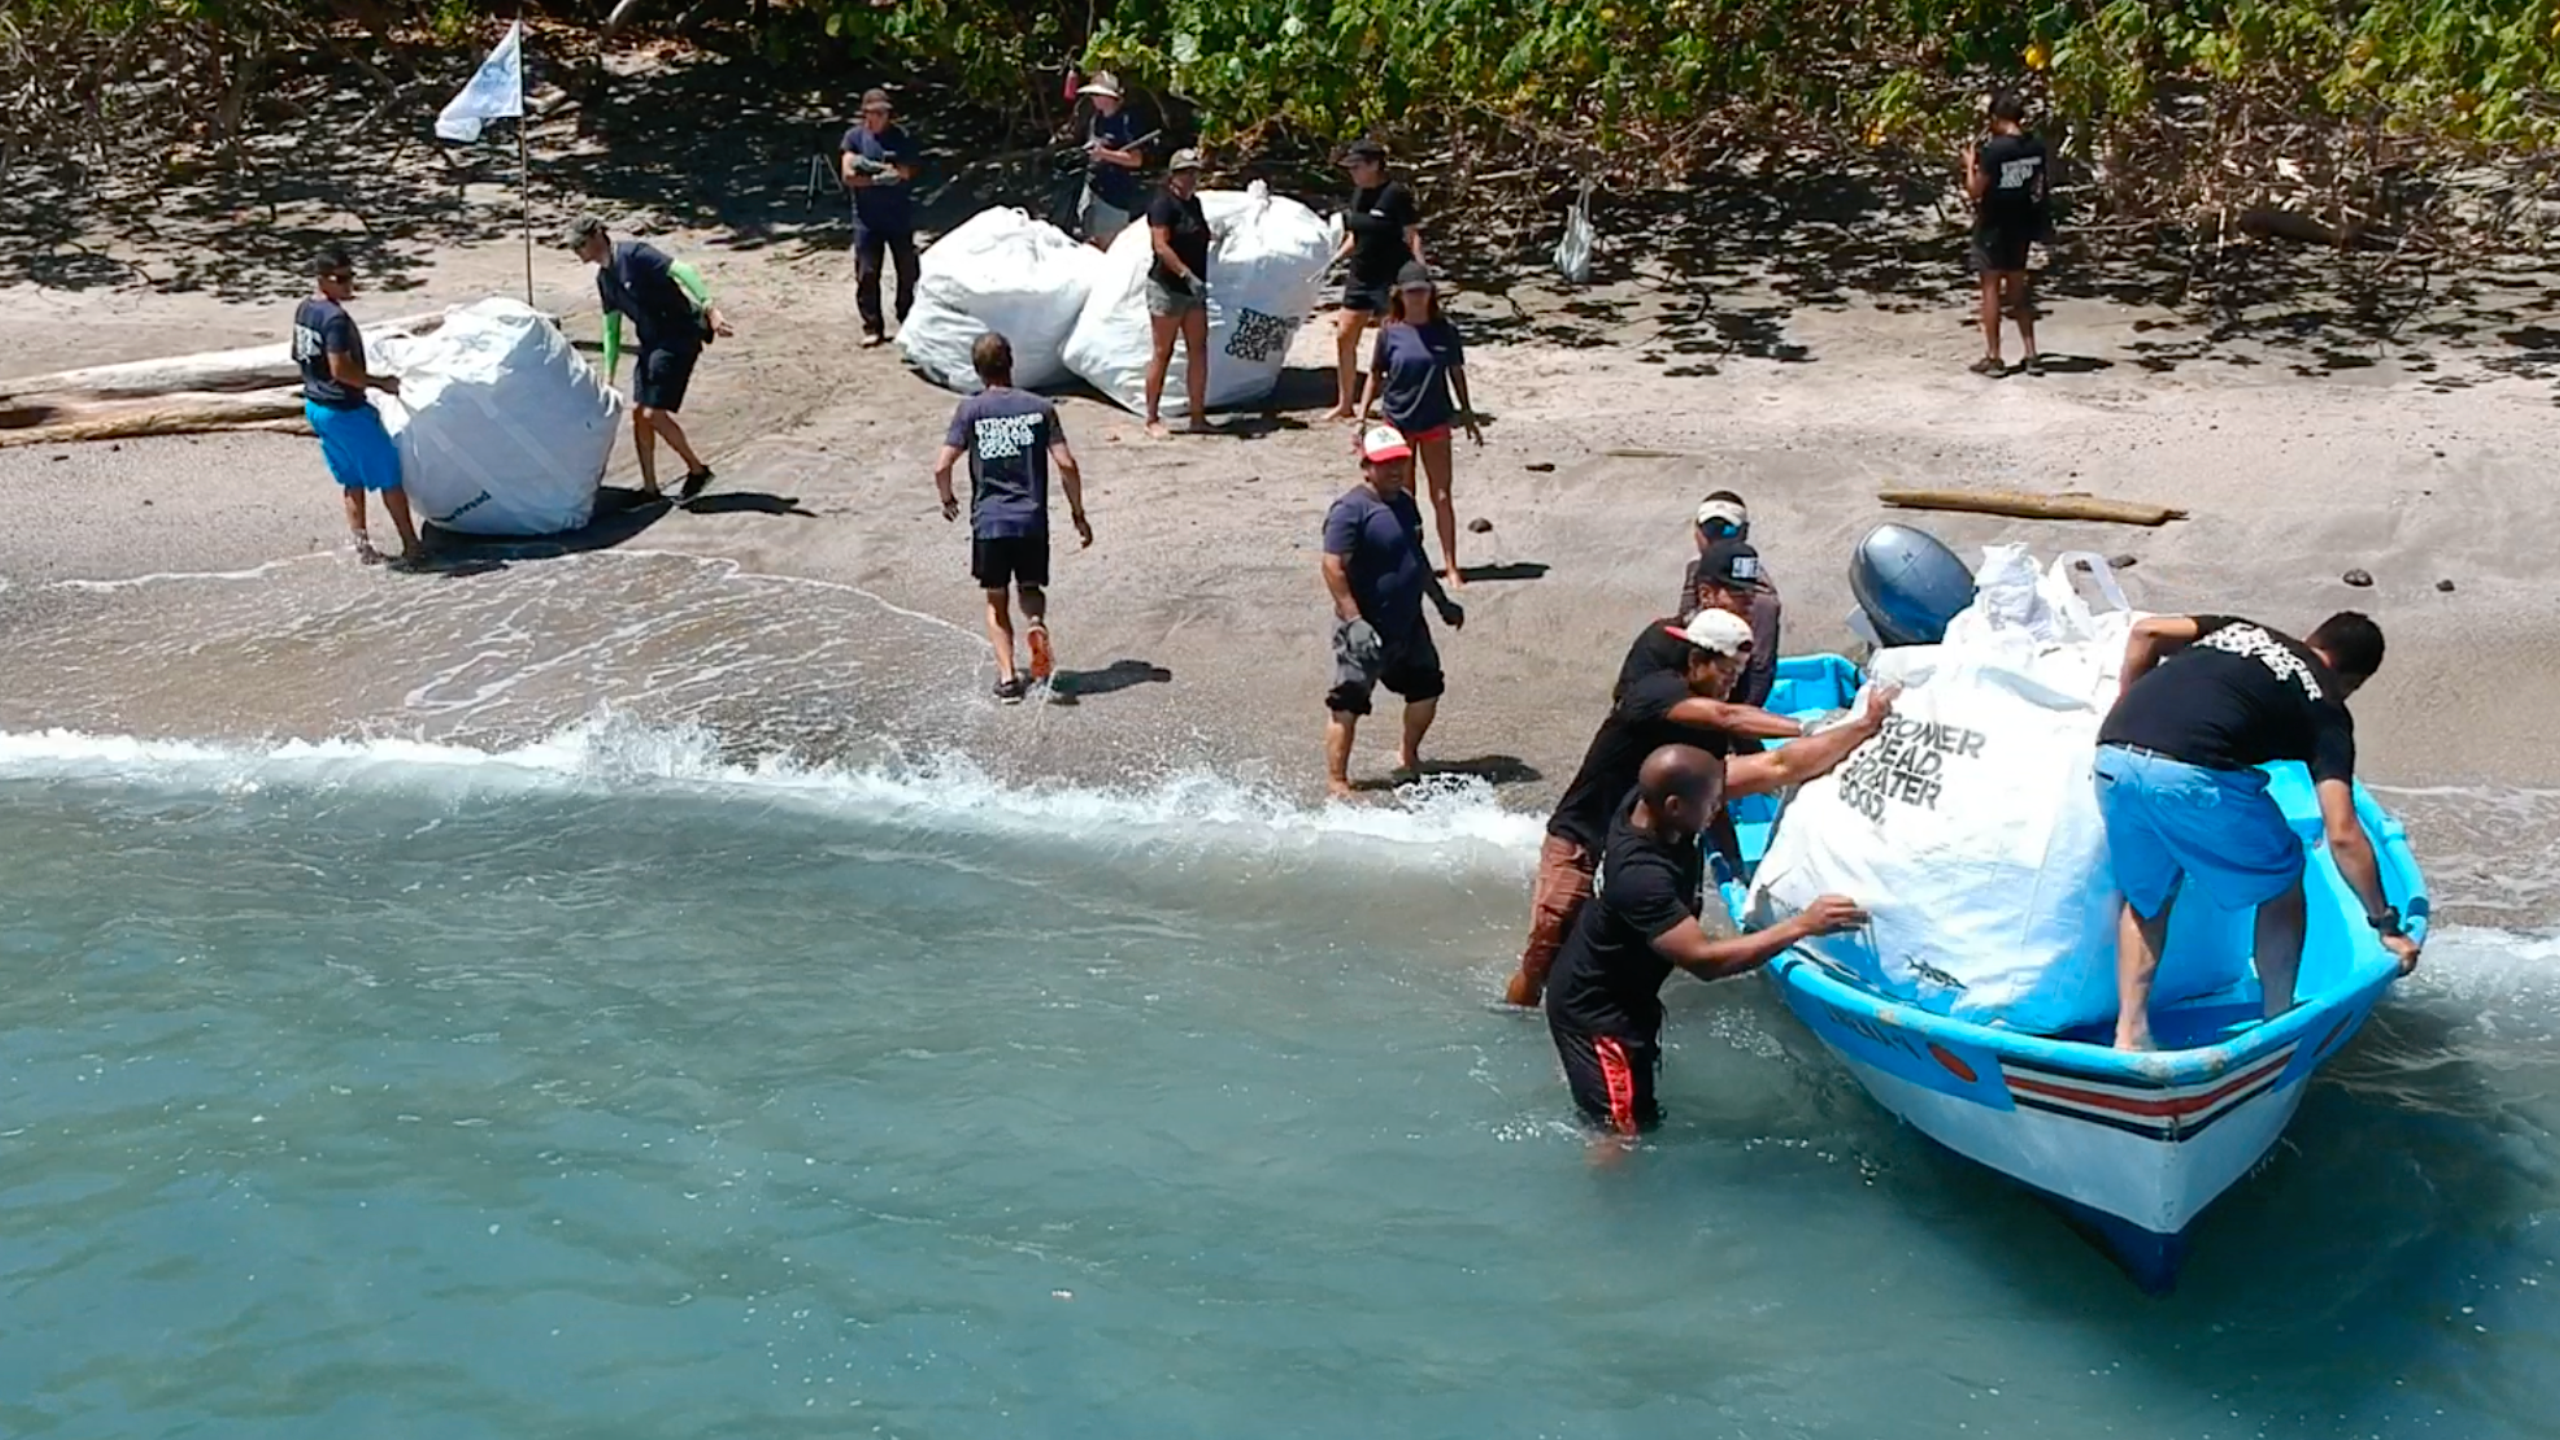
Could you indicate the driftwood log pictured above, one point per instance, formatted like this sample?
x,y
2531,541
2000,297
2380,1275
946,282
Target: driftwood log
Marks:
x,y
2034,507
187,412
252,367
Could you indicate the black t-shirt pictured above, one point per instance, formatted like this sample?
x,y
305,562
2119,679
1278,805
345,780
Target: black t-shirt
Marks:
x,y
1608,977
2014,201
1190,229
2241,695
1654,650
1378,217
639,281
1638,725
322,328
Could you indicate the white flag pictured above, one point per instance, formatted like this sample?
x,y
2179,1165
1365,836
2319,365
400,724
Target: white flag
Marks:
x,y
496,91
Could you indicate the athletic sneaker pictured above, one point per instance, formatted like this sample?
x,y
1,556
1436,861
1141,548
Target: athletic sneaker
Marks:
x,y
1043,663
1010,691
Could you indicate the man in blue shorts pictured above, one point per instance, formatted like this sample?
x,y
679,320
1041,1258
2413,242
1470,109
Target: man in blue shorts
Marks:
x,y
359,450
1011,437
2207,699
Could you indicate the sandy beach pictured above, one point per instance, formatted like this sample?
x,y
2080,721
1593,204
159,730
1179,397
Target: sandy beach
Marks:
x,y
2302,448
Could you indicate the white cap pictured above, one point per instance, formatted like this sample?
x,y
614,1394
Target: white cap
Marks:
x,y
1719,632
1384,442
1103,82
1730,512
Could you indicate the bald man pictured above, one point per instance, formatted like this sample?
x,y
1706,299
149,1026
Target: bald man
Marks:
x,y
1604,1004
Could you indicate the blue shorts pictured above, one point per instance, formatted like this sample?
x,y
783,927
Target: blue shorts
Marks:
x,y
360,453
2168,820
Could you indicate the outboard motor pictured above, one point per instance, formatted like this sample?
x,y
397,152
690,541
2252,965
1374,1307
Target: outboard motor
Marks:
x,y
1908,586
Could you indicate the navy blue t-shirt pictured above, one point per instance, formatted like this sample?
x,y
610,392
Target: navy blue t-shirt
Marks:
x,y
1412,363
1380,542
1115,185
1007,433
883,205
322,328
638,281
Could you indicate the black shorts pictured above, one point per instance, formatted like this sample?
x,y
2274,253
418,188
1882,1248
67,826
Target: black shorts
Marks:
x,y
1611,1077
1408,664
1002,560
663,374
2001,251
1369,297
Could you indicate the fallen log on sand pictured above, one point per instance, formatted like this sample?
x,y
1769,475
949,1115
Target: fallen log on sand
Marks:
x,y
252,367
179,414
2034,507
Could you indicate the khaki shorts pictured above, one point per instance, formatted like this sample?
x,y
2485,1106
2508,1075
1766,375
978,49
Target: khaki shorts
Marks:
x,y
1165,302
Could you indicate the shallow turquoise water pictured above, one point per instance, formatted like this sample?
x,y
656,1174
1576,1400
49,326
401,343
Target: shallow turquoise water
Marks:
x,y
422,1097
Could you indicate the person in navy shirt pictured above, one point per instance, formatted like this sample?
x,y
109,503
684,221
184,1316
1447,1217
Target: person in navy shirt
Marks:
x,y
1114,154
878,165
1011,438
1418,374
672,318
1375,572
330,354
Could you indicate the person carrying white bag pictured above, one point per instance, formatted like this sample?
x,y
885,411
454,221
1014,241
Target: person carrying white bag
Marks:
x,y
2206,700
1970,825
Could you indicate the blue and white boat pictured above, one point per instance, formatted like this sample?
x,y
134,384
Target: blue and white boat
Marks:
x,y
2132,1148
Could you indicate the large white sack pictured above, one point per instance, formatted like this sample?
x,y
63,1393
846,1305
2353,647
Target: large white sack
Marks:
x,y
1969,829
1003,271
503,428
1266,272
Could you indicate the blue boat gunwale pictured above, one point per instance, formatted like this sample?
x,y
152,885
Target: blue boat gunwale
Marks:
x,y
1832,682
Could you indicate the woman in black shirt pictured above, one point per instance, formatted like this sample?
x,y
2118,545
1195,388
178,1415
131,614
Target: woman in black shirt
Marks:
x,y
1381,234
2004,176
1178,289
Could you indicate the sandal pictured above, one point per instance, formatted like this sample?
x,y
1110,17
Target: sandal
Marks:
x,y
1988,365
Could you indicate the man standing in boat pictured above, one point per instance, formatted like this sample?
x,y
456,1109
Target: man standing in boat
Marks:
x,y
2206,700
1604,1009
1660,705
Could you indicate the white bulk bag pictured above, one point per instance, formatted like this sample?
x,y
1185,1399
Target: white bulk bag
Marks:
x,y
1969,829
502,426
1003,271
1266,269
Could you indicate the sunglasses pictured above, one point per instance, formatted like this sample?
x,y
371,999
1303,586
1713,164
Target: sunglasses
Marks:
x,y
1726,530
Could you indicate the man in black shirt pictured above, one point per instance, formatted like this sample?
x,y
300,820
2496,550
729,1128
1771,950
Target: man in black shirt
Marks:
x,y
2005,178
2206,700
330,353
1662,706
1178,289
1604,1008
1728,575
1381,234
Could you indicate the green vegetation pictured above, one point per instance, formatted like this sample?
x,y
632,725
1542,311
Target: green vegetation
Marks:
x,y
2168,110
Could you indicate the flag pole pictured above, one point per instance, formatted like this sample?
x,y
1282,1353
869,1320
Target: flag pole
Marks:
x,y
524,161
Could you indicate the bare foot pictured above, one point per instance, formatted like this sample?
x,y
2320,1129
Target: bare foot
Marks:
x,y
1457,578
1340,790
1156,431
2136,1041
366,554
1521,992
1339,412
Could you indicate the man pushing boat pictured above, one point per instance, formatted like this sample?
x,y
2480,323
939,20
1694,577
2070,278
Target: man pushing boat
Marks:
x,y
2206,700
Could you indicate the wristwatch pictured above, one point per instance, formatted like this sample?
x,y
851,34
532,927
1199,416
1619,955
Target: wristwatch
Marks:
x,y
2386,922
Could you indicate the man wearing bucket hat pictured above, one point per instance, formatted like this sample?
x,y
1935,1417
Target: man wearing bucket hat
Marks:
x,y
1114,154
1178,289
1660,705
1723,521
1377,576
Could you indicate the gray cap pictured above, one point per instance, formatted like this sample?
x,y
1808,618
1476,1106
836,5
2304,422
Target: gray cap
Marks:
x,y
580,231
1184,160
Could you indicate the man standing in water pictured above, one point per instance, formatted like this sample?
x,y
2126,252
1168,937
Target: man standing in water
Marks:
x,y
352,439
1114,154
670,310
1604,1009
1011,437
1376,573
2005,178
879,164
1658,706
2206,700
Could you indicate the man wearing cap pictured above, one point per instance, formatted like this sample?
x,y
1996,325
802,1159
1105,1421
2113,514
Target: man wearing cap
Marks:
x,y
1178,289
1381,234
1660,705
330,354
878,165
1735,569
1114,154
1376,573
672,316
1721,578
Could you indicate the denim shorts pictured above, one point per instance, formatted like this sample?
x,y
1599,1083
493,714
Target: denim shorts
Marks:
x,y
2168,820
